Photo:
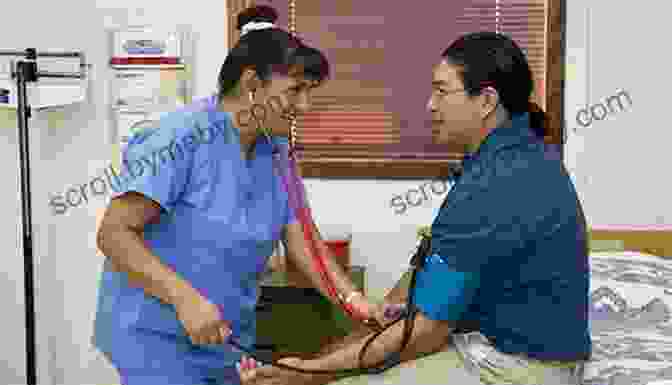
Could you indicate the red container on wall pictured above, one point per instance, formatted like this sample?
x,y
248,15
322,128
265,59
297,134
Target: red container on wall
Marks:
x,y
340,249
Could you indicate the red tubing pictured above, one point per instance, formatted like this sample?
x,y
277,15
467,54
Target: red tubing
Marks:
x,y
319,251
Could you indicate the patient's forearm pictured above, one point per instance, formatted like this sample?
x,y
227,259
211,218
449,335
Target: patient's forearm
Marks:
x,y
360,331
428,337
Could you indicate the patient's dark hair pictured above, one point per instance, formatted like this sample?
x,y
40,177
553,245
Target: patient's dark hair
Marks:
x,y
269,51
495,60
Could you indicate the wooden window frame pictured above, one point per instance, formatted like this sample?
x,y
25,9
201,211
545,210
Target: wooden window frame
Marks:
x,y
385,168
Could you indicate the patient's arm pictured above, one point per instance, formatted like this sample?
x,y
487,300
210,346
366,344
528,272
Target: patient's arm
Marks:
x,y
429,336
398,294
353,341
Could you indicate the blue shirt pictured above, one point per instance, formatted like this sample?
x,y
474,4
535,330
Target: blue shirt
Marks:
x,y
509,252
221,217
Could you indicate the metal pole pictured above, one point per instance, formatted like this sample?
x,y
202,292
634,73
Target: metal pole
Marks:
x,y
26,71
23,75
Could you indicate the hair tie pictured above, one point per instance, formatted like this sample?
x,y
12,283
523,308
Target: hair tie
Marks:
x,y
255,26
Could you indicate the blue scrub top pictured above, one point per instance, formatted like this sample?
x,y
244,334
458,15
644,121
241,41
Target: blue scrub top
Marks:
x,y
221,218
509,250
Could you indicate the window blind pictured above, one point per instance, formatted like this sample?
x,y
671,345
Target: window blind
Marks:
x,y
369,119
355,115
349,117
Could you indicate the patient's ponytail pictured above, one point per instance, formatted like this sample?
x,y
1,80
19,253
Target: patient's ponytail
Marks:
x,y
538,119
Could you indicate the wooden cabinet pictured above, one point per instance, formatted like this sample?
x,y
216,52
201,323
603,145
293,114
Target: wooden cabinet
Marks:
x,y
296,321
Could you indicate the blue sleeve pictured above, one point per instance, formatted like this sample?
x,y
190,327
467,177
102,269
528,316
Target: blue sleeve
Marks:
x,y
482,226
157,161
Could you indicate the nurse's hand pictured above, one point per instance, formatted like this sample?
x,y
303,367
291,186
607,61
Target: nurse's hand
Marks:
x,y
371,310
201,319
251,373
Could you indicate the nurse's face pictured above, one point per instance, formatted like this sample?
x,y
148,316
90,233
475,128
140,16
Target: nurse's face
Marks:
x,y
284,95
456,117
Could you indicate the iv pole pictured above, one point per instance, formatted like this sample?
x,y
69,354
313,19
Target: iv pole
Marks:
x,y
25,72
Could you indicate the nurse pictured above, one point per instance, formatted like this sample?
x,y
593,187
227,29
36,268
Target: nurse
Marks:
x,y
198,213
503,295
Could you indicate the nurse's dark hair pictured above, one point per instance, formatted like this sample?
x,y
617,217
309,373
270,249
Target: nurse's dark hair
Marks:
x,y
268,51
495,60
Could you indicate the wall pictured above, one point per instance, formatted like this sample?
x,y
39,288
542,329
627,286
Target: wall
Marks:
x,y
619,164
71,146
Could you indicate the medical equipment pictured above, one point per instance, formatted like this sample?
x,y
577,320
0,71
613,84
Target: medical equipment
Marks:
x,y
25,71
296,193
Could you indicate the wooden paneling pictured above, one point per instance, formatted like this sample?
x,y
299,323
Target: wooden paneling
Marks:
x,y
656,242
555,69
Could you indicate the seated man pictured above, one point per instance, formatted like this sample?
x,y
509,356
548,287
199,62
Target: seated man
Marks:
x,y
503,293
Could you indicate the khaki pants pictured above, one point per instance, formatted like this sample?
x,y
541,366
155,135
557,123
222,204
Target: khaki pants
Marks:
x,y
471,360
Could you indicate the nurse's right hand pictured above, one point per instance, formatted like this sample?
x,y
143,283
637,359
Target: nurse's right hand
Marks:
x,y
201,319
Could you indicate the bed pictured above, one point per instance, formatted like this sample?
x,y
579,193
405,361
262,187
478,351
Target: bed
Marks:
x,y
631,298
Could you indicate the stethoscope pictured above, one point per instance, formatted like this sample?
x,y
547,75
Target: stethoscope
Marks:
x,y
408,313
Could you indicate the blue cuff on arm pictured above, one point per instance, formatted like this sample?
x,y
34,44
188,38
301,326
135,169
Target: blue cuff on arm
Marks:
x,y
442,293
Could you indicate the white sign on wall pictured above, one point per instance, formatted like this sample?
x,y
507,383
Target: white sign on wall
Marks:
x,y
150,77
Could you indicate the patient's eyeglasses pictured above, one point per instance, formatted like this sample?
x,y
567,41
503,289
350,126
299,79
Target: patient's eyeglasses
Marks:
x,y
439,94
450,92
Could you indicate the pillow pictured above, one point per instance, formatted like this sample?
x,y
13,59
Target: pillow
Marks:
x,y
631,298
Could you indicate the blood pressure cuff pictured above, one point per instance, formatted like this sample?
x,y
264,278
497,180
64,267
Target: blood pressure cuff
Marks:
x,y
443,293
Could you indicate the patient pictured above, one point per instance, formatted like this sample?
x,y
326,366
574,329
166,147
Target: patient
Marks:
x,y
503,295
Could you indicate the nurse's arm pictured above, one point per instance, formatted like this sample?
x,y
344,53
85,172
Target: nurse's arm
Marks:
x,y
296,245
120,238
398,294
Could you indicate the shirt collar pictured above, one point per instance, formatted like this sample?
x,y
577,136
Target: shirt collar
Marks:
x,y
517,131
